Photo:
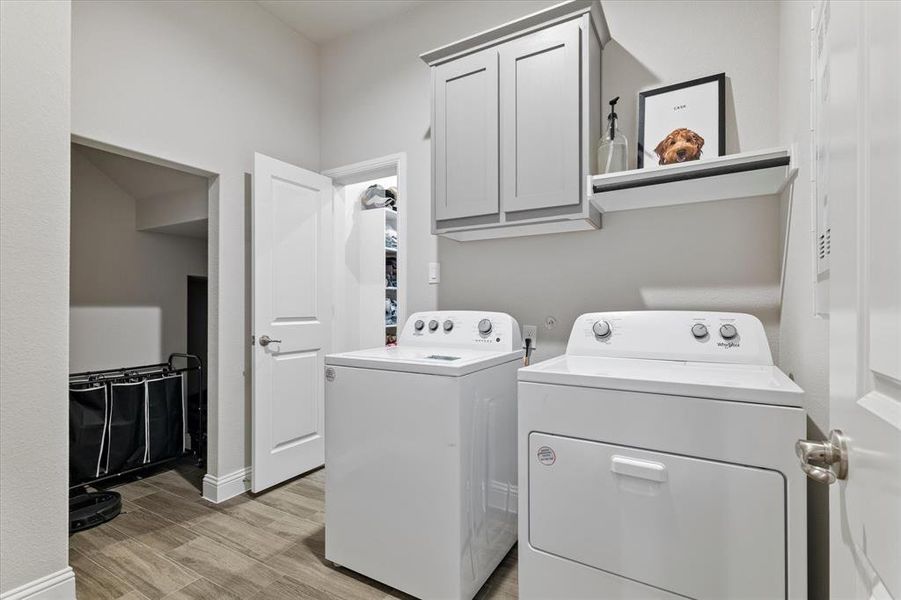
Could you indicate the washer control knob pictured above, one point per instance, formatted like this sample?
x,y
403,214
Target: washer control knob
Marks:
x,y
433,325
448,325
728,331
601,329
419,325
699,330
485,326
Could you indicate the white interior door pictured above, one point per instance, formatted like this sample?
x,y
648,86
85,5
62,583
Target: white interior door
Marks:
x,y
292,306
864,187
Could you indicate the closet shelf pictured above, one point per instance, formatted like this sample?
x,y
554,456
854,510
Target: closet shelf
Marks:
x,y
745,175
391,288
390,250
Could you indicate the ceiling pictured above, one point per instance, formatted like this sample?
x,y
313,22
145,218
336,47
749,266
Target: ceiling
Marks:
x,y
323,20
142,179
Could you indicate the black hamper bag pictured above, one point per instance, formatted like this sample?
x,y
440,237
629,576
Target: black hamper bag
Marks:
x,y
127,429
165,398
88,409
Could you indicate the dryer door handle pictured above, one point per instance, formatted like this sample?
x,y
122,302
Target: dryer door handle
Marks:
x,y
634,467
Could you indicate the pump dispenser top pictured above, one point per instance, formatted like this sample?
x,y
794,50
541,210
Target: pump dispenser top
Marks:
x,y
611,118
613,146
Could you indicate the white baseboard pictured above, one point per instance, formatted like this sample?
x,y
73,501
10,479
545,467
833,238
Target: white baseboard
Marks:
x,y
220,489
56,586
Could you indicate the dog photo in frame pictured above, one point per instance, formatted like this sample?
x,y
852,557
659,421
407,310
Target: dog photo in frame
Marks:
x,y
682,122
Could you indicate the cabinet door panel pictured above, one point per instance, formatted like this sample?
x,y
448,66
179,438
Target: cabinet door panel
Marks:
x,y
539,79
466,137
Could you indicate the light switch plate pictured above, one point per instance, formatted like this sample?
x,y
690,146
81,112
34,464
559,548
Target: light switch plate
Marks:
x,y
434,272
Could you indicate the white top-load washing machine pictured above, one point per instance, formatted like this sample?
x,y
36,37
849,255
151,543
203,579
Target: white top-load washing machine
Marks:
x,y
420,453
656,461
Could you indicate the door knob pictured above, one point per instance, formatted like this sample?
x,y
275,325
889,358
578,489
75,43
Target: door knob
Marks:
x,y
824,462
265,340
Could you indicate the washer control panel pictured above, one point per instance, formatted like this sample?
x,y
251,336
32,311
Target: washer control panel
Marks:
x,y
462,329
672,335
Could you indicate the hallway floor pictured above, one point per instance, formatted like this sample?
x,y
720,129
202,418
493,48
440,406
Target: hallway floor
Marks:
x,y
170,543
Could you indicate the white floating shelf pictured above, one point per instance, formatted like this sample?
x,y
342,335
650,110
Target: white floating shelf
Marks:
x,y
744,175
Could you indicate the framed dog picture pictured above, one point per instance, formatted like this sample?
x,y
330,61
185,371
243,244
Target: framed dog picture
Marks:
x,y
682,122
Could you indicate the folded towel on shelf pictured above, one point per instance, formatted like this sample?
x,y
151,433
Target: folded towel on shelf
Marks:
x,y
390,311
390,238
376,196
391,272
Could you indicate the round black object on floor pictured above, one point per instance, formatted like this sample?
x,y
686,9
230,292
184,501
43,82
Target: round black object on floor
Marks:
x,y
93,508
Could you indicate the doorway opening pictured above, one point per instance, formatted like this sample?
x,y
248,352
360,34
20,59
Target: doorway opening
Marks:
x,y
138,321
370,252
197,335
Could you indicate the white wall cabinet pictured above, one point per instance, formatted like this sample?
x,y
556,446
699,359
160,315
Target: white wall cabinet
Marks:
x,y
465,97
539,76
515,121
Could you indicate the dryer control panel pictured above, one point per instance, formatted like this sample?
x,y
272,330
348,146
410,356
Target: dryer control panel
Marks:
x,y
718,337
494,331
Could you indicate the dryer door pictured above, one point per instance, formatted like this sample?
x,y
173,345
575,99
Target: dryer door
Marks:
x,y
695,527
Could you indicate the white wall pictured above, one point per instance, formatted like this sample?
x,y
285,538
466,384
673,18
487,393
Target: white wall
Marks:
x,y
128,287
34,293
805,341
804,338
722,256
204,84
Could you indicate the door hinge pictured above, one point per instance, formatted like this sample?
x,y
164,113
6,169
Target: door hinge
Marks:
x,y
253,340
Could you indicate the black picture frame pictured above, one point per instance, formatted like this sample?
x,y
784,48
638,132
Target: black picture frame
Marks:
x,y
719,79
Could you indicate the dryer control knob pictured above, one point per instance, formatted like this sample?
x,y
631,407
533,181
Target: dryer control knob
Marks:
x,y
601,329
448,325
699,330
419,325
433,325
485,326
728,331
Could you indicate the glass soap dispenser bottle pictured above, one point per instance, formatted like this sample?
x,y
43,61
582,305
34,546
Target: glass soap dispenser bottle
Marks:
x,y
613,147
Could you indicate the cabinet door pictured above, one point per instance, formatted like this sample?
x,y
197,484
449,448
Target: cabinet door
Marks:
x,y
540,141
466,137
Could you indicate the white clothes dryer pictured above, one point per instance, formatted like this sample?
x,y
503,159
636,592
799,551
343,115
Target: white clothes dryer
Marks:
x,y
656,461
420,452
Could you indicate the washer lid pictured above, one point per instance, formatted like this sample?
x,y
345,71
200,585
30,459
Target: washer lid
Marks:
x,y
764,384
450,362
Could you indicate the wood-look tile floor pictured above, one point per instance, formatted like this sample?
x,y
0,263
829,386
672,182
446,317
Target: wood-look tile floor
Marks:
x,y
168,543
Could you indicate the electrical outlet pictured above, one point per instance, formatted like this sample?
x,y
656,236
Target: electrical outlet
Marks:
x,y
530,332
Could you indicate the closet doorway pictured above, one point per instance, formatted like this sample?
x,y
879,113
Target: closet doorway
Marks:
x,y
197,335
370,252
138,322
